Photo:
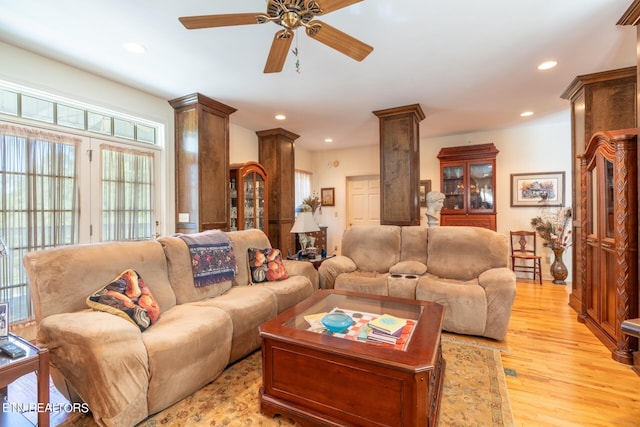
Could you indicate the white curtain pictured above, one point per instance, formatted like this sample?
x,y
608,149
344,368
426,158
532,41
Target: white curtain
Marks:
x,y
127,194
303,185
38,203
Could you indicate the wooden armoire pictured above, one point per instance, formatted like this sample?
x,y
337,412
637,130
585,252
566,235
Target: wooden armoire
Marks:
x,y
600,101
609,239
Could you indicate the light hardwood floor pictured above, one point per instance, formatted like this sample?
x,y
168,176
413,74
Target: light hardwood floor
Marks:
x,y
563,377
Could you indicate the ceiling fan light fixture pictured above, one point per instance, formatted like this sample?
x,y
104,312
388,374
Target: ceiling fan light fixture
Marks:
x,y
280,117
290,20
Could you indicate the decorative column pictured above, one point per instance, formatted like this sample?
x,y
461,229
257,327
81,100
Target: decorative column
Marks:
x,y
400,164
202,163
277,155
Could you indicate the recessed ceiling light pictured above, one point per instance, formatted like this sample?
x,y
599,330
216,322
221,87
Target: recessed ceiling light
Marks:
x,y
280,117
547,65
328,140
134,47
526,114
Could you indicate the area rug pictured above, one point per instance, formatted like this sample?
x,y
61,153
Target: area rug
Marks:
x,y
474,394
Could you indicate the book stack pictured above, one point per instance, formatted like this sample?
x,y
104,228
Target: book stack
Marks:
x,y
386,329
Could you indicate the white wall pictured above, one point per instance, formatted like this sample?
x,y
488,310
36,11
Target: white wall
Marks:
x,y
541,146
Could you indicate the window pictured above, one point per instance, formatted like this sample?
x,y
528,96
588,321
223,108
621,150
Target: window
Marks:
x,y
23,102
127,194
303,185
38,204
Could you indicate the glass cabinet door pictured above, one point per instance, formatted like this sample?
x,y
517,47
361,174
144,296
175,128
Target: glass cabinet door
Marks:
x,y
260,195
453,180
481,187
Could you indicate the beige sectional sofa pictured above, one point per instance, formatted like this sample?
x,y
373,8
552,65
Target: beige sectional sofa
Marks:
x,y
124,374
463,268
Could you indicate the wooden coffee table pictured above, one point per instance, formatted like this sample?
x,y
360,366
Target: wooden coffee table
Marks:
x,y
330,380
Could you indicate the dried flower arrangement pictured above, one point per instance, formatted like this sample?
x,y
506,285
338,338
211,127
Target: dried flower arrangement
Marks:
x,y
554,227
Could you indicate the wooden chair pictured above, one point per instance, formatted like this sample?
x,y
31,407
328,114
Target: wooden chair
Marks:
x,y
523,248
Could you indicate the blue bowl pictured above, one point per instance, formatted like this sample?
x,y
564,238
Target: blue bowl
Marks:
x,y
337,322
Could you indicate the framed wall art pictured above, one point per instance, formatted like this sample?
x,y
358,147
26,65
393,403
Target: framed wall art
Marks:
x,y
423,189
537,189
327,196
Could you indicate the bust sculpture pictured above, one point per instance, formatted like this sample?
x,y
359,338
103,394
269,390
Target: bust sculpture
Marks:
x,y
435,200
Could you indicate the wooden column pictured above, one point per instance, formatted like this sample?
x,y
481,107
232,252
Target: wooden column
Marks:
x,y
202,163
277,155
400,164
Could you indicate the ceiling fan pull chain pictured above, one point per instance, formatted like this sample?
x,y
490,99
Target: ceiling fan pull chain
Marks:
x,y
296,52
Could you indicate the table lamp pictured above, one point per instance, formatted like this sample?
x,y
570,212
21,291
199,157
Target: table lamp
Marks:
x,y
305,223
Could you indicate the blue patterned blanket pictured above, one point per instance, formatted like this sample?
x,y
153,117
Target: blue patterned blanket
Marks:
x,y
212,257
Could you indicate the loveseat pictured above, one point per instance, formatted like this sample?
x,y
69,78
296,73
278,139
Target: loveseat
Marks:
x,y
124,374
463,268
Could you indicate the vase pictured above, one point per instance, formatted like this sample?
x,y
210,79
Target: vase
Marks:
x,y
558,269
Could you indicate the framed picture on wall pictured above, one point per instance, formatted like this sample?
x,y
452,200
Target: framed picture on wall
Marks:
x,y
327,196
537,189
4,319
423,189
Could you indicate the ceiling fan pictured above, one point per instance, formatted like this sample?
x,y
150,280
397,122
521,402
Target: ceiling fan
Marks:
x,y
290,14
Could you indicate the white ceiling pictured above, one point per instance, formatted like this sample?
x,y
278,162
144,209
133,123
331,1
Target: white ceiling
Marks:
x,y
470,64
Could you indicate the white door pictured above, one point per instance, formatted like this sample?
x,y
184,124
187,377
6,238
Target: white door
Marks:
x,y
363,200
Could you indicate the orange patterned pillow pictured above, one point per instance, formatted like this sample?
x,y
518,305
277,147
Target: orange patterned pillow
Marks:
x,y
127,296
266,265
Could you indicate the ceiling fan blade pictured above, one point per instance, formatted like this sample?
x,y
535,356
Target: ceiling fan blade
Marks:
x,y
278,53
328,6
336,39
209,21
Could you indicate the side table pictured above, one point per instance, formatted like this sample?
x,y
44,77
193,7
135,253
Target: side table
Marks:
x,y
37,360
315,261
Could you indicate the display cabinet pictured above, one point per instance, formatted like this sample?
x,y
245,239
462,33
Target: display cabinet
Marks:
x,y
247,193
599,101
468,182
609,243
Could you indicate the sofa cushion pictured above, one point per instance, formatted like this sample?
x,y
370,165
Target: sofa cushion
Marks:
x,y
265,265
290,291
465,305
93,350
188,348
414,243
128,297
372,248
248,307
462,253
62,278
409,267
180,273
366,282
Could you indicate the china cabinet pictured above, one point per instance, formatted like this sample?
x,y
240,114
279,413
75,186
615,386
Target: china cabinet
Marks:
x,y
468,182
609,241
247,194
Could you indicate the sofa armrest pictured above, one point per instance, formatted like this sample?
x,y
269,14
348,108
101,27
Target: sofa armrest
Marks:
x,y
103,358
332,268
302,268
500,289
